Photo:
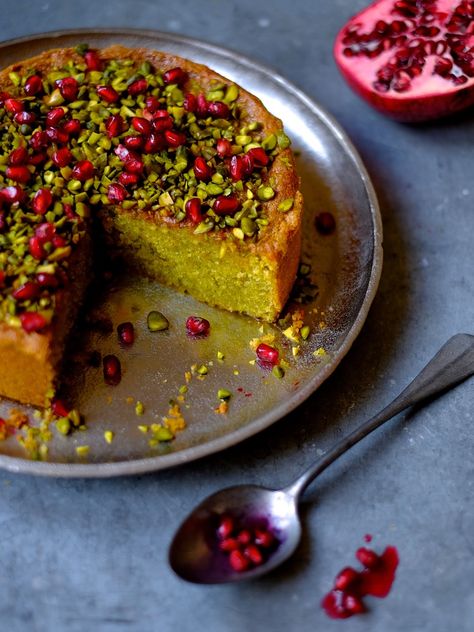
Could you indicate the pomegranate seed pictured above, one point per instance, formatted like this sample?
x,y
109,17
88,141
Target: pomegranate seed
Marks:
x,y
45,232
3,228
18,174
2,276
162,122
267,354
24,118
69,211
174,139
108,94
141,125
59,408
116,192
58,241
152,103
32,321
175,75
123,153
83,170
33,85
154,143
44,279
224,147
38,159
237,168
39,140
201,105
18,156
26,292
202,170
73,127
190,103
42,201
62,157
138,87
114,125
13,106
238,561
226,527
254,554
352,604
228,545
92,59
264,538
367,557
126,333
325,223
197,326
12,194
193,210
346,578
56,135
112,370
258,157
128,179
226,205
68,87
244,536
35,246
217,109
54,116
134,165
133,142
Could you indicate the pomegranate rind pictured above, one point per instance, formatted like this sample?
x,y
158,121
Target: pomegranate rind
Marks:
x,y
430,96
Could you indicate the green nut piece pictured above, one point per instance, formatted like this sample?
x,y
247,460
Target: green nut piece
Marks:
x,y
265,193
156,321
278,372
286,205
305,331
223,394
63,426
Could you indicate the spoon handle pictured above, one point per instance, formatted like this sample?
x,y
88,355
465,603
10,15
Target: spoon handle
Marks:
x,y
453,362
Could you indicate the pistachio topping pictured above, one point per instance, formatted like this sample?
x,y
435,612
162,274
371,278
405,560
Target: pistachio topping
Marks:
x,y
116,133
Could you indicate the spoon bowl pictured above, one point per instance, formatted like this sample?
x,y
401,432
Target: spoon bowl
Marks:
x,y
194,553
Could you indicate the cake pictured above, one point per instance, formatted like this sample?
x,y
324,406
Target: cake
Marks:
x,y
186,175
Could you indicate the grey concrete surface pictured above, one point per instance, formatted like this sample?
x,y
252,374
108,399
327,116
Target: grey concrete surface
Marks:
x,y
84,555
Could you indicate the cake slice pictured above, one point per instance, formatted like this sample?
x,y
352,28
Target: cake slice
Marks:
x,y
192,181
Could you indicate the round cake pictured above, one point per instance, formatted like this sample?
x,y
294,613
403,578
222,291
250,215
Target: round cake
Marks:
x,y
178,170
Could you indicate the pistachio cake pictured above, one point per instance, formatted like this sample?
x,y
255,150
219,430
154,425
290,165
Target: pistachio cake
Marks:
x,y
188,176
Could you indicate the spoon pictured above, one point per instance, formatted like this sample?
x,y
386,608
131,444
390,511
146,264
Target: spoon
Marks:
x,y
194,554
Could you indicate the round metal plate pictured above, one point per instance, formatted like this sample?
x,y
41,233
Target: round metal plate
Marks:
x,y
345,266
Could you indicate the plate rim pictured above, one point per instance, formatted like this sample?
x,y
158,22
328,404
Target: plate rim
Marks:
x,y
187,455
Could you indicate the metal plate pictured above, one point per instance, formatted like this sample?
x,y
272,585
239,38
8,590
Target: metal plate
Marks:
x,y
346,267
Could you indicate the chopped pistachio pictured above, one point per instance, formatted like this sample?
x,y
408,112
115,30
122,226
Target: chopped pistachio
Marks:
x,y
223,393
156,321
278,372
286,205
108,436
82,450
139,408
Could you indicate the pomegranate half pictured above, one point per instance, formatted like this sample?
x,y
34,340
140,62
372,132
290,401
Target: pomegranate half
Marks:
x,y
411,59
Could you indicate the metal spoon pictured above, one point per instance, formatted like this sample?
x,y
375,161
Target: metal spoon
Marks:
x,y
194,554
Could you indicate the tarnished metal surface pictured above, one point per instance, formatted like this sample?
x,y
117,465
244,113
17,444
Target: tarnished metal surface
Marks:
x,y
346,267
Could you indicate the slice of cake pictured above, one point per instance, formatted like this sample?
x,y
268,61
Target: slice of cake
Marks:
x,y
193,182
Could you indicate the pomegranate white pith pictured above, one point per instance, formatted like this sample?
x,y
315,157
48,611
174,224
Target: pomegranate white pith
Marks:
x,y
411,59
